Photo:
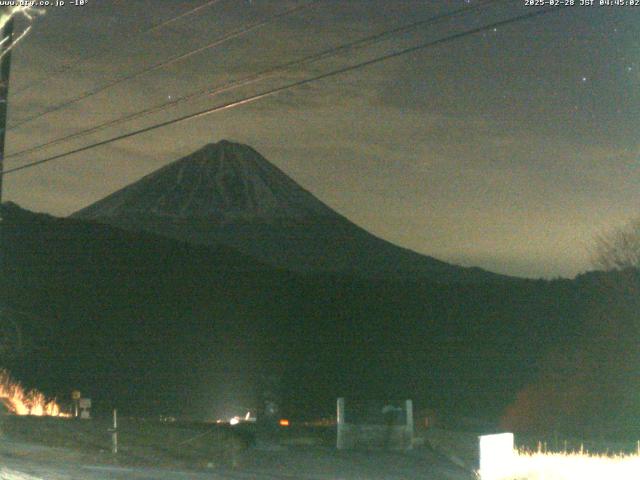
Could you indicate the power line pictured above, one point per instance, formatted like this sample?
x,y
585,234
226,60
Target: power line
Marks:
x,y
180,17
66,67
264,74
219,41
177,58
274,91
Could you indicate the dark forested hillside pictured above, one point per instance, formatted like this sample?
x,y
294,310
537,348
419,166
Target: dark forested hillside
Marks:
x,y
157,326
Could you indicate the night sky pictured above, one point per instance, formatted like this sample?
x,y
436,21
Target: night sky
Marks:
x,y
508,149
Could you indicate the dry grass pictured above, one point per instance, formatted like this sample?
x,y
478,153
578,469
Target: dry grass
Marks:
x,y
573,466
142,443
19,401
462,448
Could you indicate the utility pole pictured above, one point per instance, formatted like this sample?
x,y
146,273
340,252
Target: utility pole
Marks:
x,y
6,37
5,68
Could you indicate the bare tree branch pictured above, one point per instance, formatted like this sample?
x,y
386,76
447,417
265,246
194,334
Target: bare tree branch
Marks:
x,y
618,249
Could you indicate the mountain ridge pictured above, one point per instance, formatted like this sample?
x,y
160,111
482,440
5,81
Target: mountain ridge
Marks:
x,y
245,185
228,193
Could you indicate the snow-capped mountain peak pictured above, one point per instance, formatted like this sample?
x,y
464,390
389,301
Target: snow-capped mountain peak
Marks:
x,y
224,181
227,193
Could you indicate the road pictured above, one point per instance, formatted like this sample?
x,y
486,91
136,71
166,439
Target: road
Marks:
x,y
25,462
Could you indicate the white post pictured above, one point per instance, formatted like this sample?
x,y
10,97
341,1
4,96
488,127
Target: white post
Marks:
x,y
408,407
114,434
340,441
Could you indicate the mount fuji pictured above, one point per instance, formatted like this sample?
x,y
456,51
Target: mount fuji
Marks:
x,y
227,193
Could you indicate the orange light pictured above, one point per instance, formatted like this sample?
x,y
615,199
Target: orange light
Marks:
x,y
284,422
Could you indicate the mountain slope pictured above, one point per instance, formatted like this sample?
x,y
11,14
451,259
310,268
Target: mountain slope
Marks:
x,y
228,193
156,326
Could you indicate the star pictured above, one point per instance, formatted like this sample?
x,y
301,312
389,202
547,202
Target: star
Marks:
x,y
584,79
